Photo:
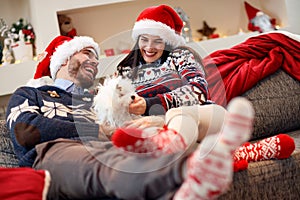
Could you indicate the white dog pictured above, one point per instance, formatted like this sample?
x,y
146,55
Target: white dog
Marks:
x,y
112,101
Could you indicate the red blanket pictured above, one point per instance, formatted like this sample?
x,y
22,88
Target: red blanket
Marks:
x,y
231,72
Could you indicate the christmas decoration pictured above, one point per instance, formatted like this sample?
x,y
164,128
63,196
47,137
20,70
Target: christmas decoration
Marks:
x,y
22,50
7,54
26,30
66,26
186,31
258,20
208,31
18,43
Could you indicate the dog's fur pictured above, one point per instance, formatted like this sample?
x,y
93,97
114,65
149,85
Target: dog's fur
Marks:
x,y
112,101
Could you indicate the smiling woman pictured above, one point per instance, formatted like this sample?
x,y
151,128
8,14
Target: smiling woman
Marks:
x,y
166,73
151,47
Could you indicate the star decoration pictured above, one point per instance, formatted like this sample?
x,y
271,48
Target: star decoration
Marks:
x,y
206,30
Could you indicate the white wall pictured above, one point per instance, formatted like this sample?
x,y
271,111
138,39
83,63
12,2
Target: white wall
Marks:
x,y
111,24
293,16
44,16
12,13
104,19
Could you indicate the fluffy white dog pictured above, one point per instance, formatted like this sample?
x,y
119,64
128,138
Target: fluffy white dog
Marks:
x,y
112,101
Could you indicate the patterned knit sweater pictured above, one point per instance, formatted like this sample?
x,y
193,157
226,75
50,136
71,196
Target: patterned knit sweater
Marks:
x,y
36,115
179,81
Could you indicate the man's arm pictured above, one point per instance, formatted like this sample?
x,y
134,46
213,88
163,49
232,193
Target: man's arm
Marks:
x,y
34,117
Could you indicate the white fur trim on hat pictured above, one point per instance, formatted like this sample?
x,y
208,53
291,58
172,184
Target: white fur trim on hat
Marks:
x,y
152,27
64,51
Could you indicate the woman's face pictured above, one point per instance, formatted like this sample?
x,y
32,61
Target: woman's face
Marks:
x,y
151,47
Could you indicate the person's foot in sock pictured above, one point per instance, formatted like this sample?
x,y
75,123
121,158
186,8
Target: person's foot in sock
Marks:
x,y
280,146
209,168
152,141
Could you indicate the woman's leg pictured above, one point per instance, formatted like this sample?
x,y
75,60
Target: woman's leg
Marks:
x,y
210,169
208,120
185,126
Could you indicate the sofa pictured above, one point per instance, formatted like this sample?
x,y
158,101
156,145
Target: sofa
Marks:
x,y
271,179
276,101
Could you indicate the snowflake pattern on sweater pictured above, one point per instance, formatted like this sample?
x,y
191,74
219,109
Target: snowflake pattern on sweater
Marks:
x,y
35,115
179,81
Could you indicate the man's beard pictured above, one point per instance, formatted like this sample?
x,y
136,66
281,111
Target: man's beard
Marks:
x,y
80,78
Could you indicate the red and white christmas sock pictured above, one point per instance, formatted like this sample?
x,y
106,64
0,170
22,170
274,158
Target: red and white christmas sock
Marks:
x,y
154,142
280,146
209,168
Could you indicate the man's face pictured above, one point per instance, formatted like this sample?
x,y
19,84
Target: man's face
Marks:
x,y
83,67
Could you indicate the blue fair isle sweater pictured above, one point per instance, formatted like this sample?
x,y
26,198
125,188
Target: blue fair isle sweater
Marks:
x,y
179,81
36,115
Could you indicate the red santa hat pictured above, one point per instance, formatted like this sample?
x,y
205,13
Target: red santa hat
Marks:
x,y
59,51
162,21
251,11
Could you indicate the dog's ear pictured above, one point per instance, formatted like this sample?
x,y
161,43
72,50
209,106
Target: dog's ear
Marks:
x,y
119,90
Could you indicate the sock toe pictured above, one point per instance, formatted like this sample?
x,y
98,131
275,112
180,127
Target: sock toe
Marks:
x,y
241,106
287,145
123,137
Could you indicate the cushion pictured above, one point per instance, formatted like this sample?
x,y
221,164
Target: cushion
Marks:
x,y
7,155
276,101
24,183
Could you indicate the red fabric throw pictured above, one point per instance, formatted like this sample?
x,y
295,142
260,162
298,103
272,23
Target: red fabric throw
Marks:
x,y
231,72
23,183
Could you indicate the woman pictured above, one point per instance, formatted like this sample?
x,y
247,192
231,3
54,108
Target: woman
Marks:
x,y
166,74
170,79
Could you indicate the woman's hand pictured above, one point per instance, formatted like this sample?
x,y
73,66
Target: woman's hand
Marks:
x,y
146,122
137,106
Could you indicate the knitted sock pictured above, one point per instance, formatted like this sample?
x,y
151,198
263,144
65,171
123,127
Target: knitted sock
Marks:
x,y
153,142
209,168
280,146
240,165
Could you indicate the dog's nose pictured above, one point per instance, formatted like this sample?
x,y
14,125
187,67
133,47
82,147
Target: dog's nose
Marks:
x,y
132,97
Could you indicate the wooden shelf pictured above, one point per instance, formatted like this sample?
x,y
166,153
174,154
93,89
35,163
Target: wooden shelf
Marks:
x,y
16,75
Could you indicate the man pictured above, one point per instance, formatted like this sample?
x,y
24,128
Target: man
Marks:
x,y
53,128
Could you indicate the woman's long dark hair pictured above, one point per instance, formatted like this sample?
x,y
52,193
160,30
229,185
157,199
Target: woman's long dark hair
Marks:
x,y
134,58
